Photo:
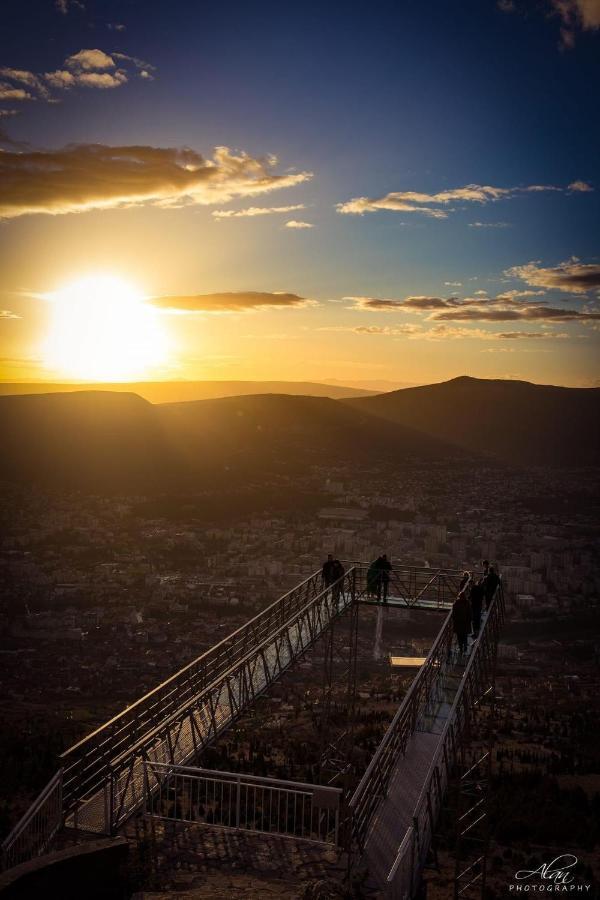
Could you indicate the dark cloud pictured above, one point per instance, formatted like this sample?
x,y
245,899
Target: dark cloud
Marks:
x,y
414,303
526,313
571,276
94,176
234,301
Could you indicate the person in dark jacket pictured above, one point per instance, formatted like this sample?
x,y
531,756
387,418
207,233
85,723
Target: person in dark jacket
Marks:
x,y
477,597
384,567
338,572
461,620
491,583
464,581
328,571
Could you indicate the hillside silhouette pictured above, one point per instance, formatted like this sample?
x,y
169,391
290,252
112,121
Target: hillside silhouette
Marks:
x,y
116,441
183,391
514,421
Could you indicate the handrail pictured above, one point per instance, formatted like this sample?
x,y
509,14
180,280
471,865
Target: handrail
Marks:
x,y
128,709
406,700
43,819
239,663
244,776
495,613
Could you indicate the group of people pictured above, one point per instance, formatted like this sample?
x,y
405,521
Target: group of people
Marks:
x,y
378,575
474,593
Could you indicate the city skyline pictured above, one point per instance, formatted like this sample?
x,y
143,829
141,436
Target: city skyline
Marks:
x,y
314,195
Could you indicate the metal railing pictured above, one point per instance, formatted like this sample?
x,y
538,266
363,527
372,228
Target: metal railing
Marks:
x,y
412,586
104,791
476,683
242,802
102,782
374,783
33,833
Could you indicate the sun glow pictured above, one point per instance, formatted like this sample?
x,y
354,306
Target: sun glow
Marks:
x,y
102,330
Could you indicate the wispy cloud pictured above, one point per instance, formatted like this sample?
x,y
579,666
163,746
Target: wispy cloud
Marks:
x,y
512,306
8,314
576,16
293,223
489,224
88,68
233,301
10,92
95,176
437,205
252,211
571,276
64,6
580,187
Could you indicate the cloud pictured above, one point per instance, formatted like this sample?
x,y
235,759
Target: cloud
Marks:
x,y
7,314
369,304
581,187
377,330
571,276
89,61
506,6
453,283
518,295
432,205
528,335
526,313
115,26
63,6
448,332
22,76
233,301
252,211
6,113
576,15
293,223
102,80
88,68
9,92
489,224
83,177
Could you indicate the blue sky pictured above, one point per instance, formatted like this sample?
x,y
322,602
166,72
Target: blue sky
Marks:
x,y
378,99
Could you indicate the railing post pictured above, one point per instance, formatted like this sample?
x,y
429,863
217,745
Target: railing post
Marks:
x,y
238,801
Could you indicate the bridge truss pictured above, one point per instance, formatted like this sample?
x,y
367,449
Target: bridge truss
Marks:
x,y
105,777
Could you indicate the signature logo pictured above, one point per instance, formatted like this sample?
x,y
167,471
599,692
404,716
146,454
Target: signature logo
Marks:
x,y
556,876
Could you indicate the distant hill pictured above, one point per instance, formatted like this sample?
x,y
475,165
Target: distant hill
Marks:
x,y
181,391
91,440
109,441
515,421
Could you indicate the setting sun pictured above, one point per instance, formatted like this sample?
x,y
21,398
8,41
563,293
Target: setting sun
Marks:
x,y
102,330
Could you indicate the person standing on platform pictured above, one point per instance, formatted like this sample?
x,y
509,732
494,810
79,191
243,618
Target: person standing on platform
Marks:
x,y
461,620
328,570
338,572
385,567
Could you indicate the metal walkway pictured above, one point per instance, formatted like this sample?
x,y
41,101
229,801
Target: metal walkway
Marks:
x,y
390,818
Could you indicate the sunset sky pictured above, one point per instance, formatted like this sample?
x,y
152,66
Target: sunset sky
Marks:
x,y
398,192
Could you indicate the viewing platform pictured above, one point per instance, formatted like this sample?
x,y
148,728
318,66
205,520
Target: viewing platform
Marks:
x,y
144,760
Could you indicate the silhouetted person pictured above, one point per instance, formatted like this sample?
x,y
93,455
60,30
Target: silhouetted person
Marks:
x,y
491,582
383,567
461,620
486,567
338,572
464,581
477,597
328,570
